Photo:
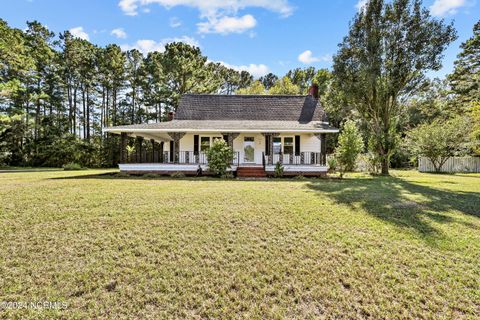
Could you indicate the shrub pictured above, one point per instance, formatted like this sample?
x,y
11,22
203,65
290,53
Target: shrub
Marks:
x,y
220,156
177,174
278,173
332,163
72,166
227,175
350,144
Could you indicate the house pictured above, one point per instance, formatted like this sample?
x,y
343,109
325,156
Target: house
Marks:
x,y
262,130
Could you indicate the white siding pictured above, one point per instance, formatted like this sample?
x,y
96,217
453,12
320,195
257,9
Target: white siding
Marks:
x,y
186,143
309,143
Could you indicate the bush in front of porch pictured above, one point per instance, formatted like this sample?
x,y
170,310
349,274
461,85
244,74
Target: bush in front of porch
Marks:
x,y
220,156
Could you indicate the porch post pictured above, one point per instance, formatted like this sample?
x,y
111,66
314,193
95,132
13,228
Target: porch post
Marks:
x,y
323,147
175,136
123,147
153,149
269,142
139,149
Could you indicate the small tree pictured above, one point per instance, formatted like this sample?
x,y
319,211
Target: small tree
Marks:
x,y
350,144
220,156
278,173
439,140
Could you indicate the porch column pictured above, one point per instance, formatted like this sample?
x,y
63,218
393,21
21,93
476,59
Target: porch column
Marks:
x,y
139,149
269,144
123,147
323,147
152,141
175,136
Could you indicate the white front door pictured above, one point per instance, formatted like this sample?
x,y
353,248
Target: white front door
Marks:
x,y
249,149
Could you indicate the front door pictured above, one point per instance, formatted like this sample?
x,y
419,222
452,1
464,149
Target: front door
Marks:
x,y
249,149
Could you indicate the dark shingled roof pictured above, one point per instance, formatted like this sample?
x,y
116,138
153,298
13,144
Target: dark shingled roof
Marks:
x,y
303,109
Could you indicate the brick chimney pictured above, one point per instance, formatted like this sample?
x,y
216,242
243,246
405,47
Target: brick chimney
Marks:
x,y
170,115
313,91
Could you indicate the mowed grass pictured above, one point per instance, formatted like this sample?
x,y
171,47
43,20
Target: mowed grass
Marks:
x,y
399,247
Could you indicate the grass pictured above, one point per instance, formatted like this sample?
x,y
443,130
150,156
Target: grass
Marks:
x,y
405,246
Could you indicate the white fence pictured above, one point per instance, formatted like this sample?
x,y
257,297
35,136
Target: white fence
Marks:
x,y
455,164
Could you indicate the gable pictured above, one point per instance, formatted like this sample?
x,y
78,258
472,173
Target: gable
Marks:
x,y
303,109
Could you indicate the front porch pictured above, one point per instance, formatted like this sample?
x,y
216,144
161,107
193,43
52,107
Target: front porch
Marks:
x,y
188,162
186,152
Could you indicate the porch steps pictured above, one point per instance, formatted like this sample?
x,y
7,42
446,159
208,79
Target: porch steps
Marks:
x,y
251,171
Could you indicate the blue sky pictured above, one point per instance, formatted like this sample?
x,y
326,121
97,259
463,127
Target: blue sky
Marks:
x,y
256,35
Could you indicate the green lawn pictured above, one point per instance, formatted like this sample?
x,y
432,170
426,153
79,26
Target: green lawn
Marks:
x,y
405,246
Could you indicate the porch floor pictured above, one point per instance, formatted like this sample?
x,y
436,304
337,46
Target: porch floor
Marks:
x,y
191,169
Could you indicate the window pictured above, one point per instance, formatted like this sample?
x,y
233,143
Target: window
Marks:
x,y
277,145
283,145
288,145
204,144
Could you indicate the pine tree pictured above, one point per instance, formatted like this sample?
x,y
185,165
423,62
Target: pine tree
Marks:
x,y
465,79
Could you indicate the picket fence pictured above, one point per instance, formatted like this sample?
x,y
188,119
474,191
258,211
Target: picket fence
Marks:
x,y
454,164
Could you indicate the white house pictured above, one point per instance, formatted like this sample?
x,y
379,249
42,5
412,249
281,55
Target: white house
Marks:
x,y
262,130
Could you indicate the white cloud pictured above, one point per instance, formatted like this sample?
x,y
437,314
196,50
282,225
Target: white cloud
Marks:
x,y
225,25
175,22
119,33
361,4
256,70
220,15
445,7
210,7
146,45
307,57
78,32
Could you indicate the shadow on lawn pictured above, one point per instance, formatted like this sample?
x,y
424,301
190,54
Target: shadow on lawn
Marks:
x,y
386,198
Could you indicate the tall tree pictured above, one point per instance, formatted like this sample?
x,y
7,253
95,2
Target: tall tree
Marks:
x,y
384,58
302,78
155,89
465,79
187,71
39,40
268,80
136,77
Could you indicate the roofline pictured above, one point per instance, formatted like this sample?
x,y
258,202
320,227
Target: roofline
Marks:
x,y
248,95
119,130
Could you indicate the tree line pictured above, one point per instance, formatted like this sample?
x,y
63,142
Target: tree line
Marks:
x,y
57,92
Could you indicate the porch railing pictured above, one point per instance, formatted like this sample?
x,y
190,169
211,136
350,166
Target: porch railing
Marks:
x,y
180,157
304,158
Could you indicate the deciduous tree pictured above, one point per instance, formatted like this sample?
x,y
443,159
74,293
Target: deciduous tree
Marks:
x,y
384,58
